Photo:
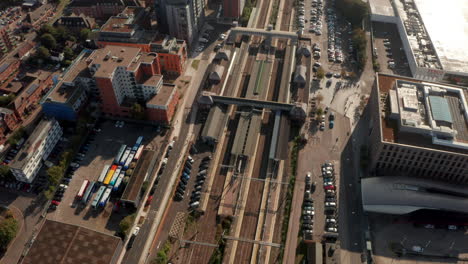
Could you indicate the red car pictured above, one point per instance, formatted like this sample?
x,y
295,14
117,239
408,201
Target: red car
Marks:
x,y
148,201
55,202
329,187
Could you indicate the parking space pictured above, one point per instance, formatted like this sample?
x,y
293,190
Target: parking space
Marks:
x,y
388,49
395,240
100,149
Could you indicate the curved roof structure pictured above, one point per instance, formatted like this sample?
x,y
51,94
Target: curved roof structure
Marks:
x,y
401,195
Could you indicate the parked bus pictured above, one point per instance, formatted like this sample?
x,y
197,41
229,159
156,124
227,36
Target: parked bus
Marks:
x,y
139,151
138,142
88,193
120,153
116,175
125,156
103,173
82,190
119,181
105,196
129,160
109,174
96,200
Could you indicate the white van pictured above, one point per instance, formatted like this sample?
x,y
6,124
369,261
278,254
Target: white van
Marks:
x,y
194,205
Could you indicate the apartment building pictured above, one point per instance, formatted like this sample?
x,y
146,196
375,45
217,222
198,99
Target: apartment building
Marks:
x,y
37,148
9,68
419,129
233,8
131,28
75,23
67,97
184,18
125,76
7,40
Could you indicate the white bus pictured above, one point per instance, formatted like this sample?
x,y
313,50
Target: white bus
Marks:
x,y
82,190
103,173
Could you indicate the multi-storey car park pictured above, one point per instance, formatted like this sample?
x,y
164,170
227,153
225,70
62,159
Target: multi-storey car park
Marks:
x,y
433,36
419,129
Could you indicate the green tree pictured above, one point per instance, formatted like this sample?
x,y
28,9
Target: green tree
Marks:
x,y
47,29
68,53
84,33
72,38
360,42
320,73
5,171
353,10
49,193
61,33
16,136
6,100
55,174
8,230
48,41
126,224
319,111
43,53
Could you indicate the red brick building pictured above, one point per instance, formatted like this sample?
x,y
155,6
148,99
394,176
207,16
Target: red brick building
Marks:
x,y
126,76
7,40
131,28
9,68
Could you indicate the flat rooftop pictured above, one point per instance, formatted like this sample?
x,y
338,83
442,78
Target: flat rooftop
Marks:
x,y
381,7
446,23
118,24
163,96
111,57
65,243
423,114
132,191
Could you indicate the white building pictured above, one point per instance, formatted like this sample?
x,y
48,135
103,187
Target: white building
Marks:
x,y
433,36
37,148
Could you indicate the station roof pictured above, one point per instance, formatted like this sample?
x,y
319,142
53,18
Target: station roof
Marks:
x,y
401,195
59,242
132,191
215,123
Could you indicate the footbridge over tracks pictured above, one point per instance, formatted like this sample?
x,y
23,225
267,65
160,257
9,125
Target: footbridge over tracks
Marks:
x,y
296,111
268,34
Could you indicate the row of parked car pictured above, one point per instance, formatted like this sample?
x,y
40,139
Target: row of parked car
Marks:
x,y
328,175
201,177
388,50
316,12
58,196
308,210
180,191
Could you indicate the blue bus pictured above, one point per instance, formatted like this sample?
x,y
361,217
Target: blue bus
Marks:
x,y
137,144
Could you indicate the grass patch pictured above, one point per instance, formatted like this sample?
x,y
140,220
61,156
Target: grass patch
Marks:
x,y
162,255
195,64
289,193
274,13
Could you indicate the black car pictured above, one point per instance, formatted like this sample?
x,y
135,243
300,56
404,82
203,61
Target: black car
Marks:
x,y
178,197
207,158
52,207
184,180
180,192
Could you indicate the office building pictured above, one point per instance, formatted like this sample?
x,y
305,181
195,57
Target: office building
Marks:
x,y
183,18
419,129
100,9
433,36
37,148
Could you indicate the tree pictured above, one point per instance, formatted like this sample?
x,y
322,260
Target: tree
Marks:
x,y
16,136
61,33
126,224
8,230
68,53
144,187
354,10
320,73
319,98
72,38
84,33
47,29
55,174
43,53
319,111
6,100
5,171
48,41
138,111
